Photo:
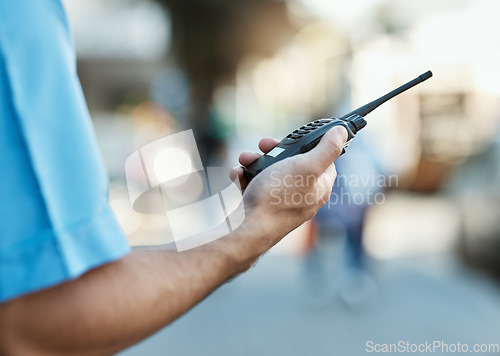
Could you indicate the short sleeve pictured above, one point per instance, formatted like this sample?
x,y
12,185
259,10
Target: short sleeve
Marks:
x,y
55,219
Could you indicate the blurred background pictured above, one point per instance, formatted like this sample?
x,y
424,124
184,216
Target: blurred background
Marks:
x,y
407,248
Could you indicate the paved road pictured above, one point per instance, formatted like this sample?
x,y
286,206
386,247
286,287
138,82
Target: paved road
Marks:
x,y
268,312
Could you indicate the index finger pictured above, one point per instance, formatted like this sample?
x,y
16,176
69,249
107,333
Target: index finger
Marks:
x,y
267,144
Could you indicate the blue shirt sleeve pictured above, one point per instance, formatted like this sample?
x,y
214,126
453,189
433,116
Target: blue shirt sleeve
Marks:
x,y
55,222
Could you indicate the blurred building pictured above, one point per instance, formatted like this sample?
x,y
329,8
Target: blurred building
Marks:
x,y
235,71
238,70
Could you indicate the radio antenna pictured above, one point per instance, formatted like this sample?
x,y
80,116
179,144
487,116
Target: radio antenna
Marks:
x,y
368,108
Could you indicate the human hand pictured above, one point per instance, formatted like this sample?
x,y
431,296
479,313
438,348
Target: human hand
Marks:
x,y
289,192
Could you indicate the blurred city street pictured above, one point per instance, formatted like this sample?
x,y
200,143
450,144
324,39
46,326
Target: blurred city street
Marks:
x,y
411,254
268,311
401,257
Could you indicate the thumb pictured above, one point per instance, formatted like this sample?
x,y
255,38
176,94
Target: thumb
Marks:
x,y
327,151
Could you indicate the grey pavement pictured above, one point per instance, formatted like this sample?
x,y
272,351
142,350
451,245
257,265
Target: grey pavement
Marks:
x,y
269,311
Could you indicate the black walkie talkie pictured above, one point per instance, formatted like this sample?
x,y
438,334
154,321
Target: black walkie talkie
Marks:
x,y
306,137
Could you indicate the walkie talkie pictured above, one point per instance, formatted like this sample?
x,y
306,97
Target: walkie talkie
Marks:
x,y
306,137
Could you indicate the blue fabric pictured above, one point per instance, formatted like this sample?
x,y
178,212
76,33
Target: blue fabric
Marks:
x,y
55,222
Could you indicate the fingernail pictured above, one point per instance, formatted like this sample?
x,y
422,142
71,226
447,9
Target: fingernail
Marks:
x,y
341,131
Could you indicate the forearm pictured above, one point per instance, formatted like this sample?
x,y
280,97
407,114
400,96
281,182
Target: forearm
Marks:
x,y
118,304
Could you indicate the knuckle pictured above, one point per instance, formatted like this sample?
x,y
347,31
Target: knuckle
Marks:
x,y
334,171
336,139
310,213
336,145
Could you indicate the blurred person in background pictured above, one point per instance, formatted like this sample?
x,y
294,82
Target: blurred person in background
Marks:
x,y
343,217
68,281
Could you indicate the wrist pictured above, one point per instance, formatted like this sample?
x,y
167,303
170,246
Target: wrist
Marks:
x,y
238,249
260,230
